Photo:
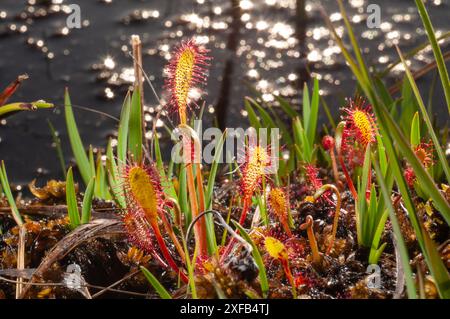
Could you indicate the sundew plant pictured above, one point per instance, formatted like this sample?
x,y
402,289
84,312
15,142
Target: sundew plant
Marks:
x,y
305,217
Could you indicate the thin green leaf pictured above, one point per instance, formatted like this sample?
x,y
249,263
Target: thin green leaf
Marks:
x,y
311,129
71,199
162,292
112,172
122,134
212,242
436,51
75,141
23,106
252,117
306,105
7,190
415,130
87,202
167,184
135,127
286,107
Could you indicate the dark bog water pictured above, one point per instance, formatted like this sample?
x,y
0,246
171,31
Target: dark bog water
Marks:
x,y
261,42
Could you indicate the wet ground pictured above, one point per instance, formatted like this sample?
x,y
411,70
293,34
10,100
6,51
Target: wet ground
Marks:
x,y
260,42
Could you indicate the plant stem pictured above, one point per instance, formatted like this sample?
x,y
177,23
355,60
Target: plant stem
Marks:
x,y
336,213
287,271
172,236
334,165
350,184
308,225
166,253
200,227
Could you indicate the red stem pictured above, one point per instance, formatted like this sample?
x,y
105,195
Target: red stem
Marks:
x,y
166,253
348,178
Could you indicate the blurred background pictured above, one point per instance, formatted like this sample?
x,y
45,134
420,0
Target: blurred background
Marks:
x,y
273,46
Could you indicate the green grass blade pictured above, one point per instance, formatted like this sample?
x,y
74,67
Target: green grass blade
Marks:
x,y
114,179
252,117
75,141
328,112
408,106
162,292
266,118
411,53
22,106
306,105
436,51
71,199
7,190
287,108
258,260
182,195
415,130
101,186
87,202
122,134
354,42
213,172
382,157
167,184
135,127
311,129
91,160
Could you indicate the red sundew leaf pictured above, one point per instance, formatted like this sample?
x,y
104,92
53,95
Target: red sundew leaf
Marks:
x,y
9,91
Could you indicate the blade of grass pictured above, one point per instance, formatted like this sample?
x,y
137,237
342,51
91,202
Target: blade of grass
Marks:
x,y
87,202
412,53
354,42
135,127
7,191
166,182
415,130
21,106
182,195
75,141
162,292
101,187
286,107
436,51
327,112
212,242
122,134
71,199
112,172
311,121
306,105
252,117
